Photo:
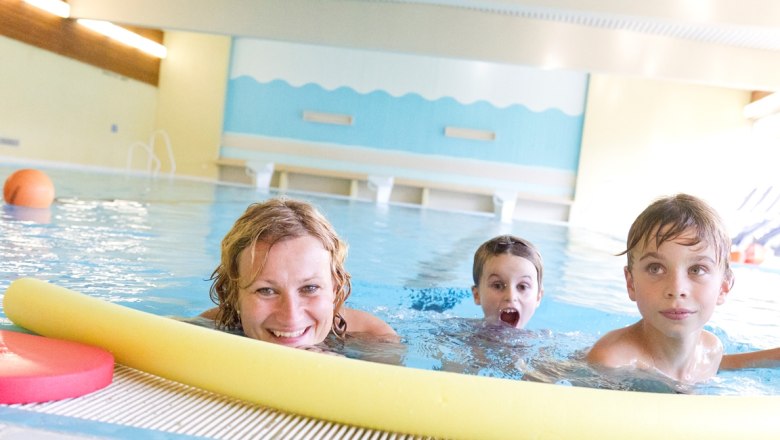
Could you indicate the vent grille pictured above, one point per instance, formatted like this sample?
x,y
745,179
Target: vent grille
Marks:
x,y
145,401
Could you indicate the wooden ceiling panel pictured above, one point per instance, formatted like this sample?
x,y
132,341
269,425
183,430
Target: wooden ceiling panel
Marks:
x,y
64,36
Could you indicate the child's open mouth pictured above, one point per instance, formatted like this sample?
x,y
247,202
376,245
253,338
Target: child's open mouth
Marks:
x,y
510,316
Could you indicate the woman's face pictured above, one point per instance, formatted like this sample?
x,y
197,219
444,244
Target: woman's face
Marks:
x,y
287,293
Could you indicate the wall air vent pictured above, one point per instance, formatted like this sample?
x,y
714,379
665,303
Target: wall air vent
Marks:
x,y
469,133
9,142
327,118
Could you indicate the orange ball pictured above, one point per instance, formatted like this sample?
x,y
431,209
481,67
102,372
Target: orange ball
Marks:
x,y
30,188
737,256
755,254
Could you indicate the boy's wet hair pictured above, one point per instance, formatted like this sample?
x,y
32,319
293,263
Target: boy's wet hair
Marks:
x,y
669,217
506,244
270,222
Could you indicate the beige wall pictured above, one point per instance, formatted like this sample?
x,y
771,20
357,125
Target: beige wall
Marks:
x,y
647,138
66,112
62,111
193,85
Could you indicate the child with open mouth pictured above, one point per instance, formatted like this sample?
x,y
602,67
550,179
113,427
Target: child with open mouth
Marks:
x,y
507,280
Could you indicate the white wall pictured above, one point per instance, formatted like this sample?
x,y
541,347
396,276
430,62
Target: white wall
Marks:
x,y
465,81
62,110
648,138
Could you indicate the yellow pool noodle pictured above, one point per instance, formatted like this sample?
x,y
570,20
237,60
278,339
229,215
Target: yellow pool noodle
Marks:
x,y
379,396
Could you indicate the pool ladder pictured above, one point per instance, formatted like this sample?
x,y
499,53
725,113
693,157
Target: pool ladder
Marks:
x,y
153,164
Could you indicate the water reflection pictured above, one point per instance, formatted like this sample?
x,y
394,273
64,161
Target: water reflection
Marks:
x,y
151,245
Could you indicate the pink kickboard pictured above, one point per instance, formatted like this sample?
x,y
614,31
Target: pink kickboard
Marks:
x,y
39,369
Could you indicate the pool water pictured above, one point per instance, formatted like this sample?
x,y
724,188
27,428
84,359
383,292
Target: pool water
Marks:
x,y
152,245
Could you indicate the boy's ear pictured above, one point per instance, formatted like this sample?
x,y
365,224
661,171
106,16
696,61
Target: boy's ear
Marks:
x,y
539,296
629,283
475,293
725,287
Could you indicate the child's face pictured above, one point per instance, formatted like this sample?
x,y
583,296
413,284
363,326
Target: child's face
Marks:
x,y
290,302
676,287
508,290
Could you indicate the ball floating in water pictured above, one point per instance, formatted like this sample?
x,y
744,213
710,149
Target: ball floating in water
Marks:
x,y
30,188
755,253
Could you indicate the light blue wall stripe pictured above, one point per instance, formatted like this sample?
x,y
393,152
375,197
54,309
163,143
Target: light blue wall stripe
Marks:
x,y
75,427
408,123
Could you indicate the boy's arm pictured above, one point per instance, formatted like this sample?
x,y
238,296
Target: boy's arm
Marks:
x,y
756,359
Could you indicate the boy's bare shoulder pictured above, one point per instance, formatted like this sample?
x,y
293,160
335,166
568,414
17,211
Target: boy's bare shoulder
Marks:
x,y
618,348
712,343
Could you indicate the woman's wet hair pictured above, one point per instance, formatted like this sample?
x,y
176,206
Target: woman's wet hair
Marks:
x,y
270,222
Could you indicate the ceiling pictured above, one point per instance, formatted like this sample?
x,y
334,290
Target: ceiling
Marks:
x,y
716,42
693,20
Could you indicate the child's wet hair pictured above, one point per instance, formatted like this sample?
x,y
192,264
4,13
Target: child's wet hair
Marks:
x,y
669,217
507,244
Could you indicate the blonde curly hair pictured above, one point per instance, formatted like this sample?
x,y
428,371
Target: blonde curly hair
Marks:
x,y
272,221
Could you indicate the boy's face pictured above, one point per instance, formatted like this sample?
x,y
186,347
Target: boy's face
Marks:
x,y
676,287
508,291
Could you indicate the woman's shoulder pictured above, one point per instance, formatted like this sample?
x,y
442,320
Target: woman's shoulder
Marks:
x,y
359,321
210,313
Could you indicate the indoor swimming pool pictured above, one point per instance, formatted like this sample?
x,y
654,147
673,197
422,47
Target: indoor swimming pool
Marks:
x,y
152,244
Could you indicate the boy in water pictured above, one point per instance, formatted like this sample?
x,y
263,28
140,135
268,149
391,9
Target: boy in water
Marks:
x,y
507,274
677,272
507,280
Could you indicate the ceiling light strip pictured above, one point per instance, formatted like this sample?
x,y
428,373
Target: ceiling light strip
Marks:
x,y
120,34
56,7
125,36
765,106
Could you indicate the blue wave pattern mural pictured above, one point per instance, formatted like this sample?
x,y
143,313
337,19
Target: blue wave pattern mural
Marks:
x,y
408,123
